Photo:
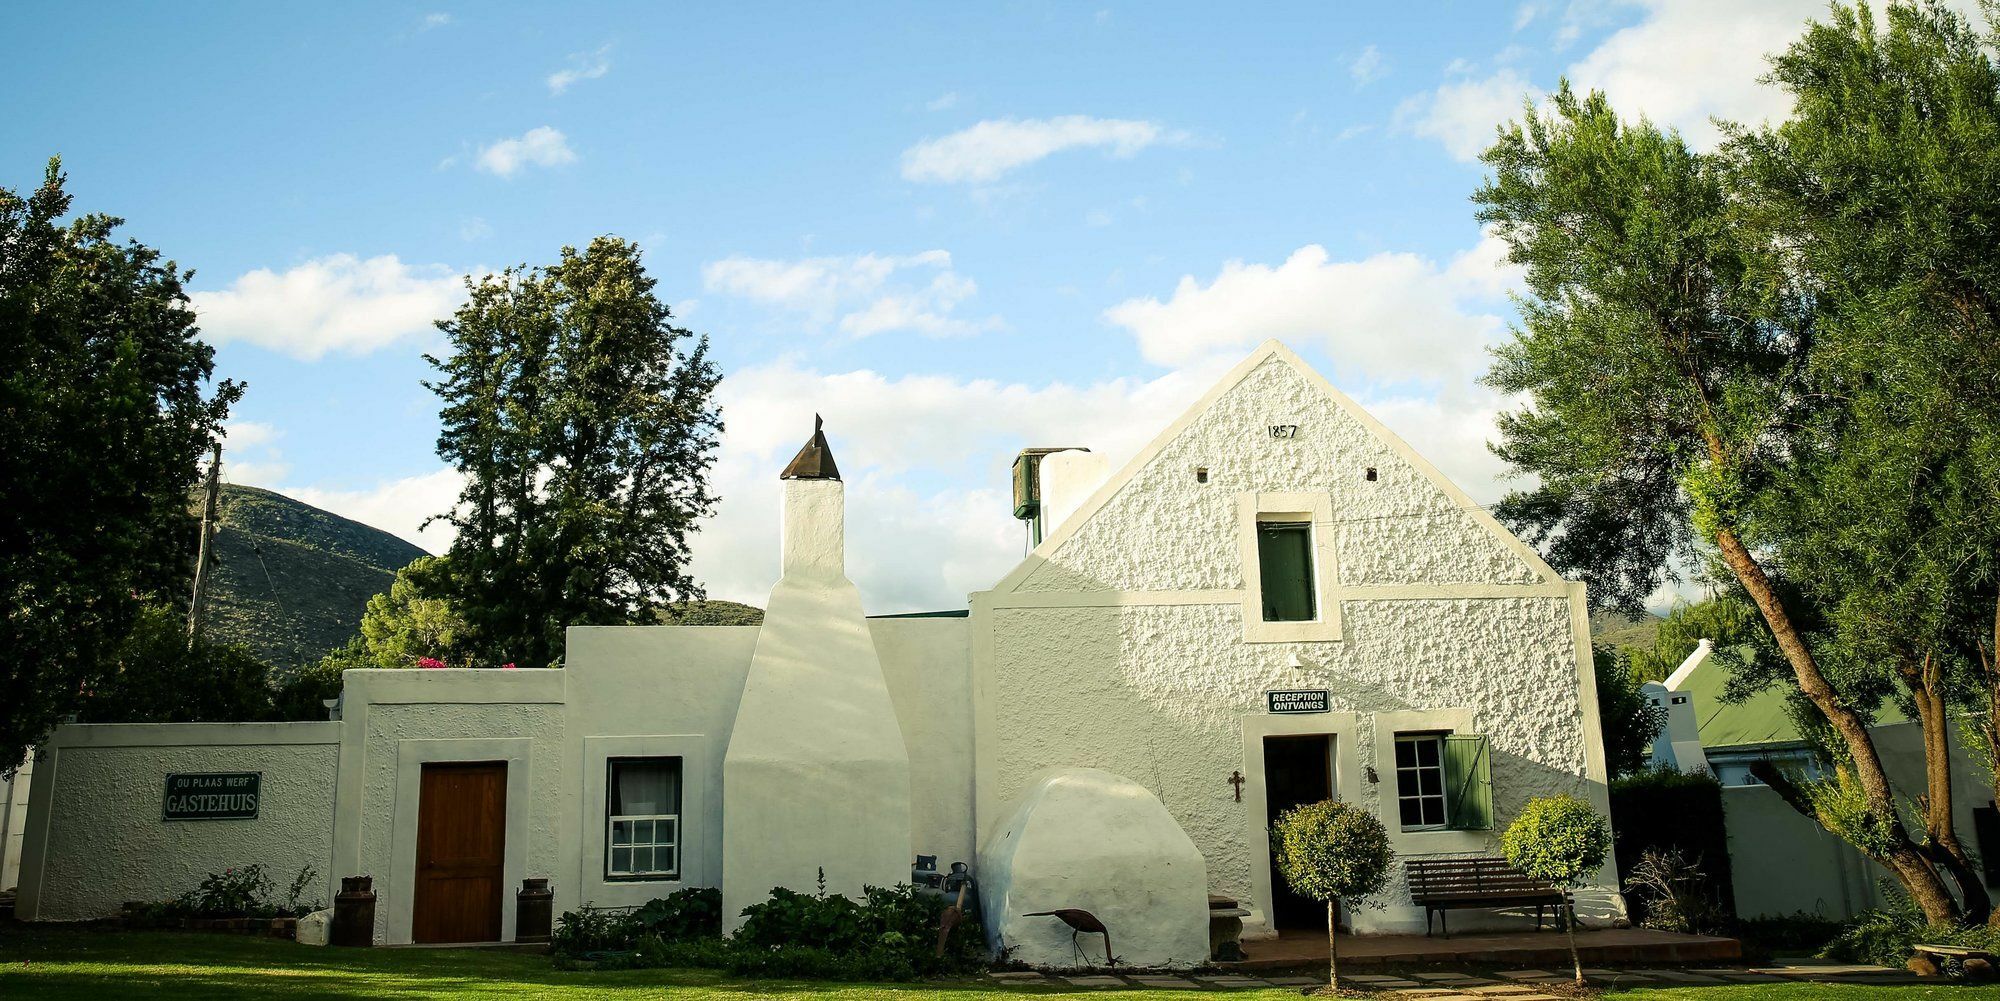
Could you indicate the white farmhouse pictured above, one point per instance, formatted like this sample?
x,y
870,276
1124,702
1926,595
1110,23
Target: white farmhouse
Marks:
x,y
1275,602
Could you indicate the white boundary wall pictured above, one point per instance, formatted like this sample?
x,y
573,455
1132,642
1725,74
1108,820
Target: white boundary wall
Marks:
x,y
96,838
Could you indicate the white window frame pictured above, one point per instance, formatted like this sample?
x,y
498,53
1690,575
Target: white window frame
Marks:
x,y
1384,727
1436,739
611,847
612,874
1310,508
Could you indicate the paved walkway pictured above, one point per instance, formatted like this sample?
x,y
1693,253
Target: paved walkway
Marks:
x,y
1505,985
1608,947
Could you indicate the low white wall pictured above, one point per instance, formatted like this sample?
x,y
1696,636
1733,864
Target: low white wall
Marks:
x,y
927,663
14,821
1782,863
95,837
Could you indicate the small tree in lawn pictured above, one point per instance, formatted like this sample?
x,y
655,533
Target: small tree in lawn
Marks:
x,y
1330,852
1561,841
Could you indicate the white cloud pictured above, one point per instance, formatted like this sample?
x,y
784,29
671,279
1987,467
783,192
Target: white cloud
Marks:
x,y
1391,316
541,147
582,66
1463,114
925,458
986,151
1368,67
335,303
250,453
862,295
1682,65
1691,60
435,20
943,102
398,507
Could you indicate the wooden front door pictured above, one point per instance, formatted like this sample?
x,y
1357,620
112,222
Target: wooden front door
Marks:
x,y
461,843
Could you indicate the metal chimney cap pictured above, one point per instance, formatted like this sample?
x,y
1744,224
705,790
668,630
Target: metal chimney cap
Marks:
x,y
815,460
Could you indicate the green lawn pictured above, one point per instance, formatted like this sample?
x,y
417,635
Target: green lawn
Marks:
x,y
41,963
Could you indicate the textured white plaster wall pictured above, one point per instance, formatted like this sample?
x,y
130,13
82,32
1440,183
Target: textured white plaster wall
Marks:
x,y
1163,531
1157,686
97,814
1159,694
387,723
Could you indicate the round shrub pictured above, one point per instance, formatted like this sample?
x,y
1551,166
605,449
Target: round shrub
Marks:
x,y
1332,851
1557,839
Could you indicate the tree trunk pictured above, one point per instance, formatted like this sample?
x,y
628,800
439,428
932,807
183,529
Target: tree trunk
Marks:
x,y
1332,949
1989,728
1926,690
1917,873
1569,929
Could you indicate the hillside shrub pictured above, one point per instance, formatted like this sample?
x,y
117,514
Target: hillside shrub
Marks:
x,y
1885,936
890,934
1668,891
1668,812
237,892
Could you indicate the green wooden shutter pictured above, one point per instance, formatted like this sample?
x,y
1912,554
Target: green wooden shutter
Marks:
x,y
1285,566
1468,782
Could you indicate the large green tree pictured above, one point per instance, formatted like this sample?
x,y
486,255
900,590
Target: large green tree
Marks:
x,y
1882,191
1711,383
106,407
582,419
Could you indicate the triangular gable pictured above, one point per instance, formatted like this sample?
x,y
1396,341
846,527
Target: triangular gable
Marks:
x,y
1269,350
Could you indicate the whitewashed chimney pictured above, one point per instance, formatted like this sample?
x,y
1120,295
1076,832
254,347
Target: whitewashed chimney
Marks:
x,y
817,776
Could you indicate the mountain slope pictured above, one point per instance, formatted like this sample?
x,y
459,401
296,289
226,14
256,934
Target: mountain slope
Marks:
x,y
291,580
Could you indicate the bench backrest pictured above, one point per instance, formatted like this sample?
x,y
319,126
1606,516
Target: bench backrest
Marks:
x,y
1463,878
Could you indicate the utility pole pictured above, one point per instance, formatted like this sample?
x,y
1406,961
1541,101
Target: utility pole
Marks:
x,y
202,556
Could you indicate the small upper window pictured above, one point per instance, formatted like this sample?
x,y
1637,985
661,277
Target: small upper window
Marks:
x,y
643,819
1285,568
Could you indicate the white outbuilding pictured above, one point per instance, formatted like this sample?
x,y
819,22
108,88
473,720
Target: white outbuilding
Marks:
x,y
1275,602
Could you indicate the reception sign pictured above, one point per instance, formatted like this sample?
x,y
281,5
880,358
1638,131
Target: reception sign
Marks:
x,y
1298,701
212,796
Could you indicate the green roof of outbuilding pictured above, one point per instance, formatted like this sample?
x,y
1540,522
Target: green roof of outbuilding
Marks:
x,y
1757,721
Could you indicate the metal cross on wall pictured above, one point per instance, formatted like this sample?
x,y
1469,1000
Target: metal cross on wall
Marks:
x,y
1236,779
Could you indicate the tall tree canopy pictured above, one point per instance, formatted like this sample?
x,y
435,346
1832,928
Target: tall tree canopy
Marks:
x,y
1883,192
1777,361
583,421
105,410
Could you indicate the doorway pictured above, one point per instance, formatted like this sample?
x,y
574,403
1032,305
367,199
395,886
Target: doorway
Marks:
x,y
1298,769
461,848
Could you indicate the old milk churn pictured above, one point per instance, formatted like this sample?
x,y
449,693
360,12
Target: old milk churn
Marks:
x,y
534,908
354,912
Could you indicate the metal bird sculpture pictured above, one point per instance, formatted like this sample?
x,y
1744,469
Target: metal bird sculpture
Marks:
x,y
1079,921
951,917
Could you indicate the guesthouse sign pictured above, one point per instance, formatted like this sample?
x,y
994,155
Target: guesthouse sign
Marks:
x,y
212,796
1297,701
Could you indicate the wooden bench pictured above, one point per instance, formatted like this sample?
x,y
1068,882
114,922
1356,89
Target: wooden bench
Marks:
x,y
1952,954
1443,884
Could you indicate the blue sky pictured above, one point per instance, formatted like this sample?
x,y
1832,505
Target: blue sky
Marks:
x,y
955,231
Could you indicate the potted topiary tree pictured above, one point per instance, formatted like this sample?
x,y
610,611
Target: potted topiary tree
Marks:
x,y
1561,841
1332,852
